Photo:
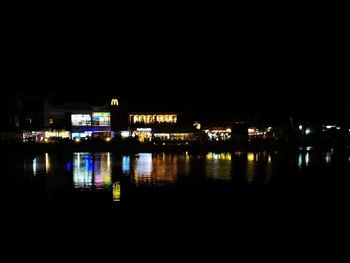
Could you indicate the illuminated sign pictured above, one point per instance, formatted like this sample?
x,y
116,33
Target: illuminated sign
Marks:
x,y
101,119
57,134
81,120
114,102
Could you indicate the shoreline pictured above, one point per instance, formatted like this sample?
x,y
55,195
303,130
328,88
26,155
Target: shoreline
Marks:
x,y
137,148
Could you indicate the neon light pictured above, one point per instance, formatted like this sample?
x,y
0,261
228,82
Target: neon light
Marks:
x,y
114,102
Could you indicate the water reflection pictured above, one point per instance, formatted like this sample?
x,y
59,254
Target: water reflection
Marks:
x,y
116,192
92,171
111,174
307,159
47,163
126,165
251,158
219,166
304,159
157,168
34,167
328,158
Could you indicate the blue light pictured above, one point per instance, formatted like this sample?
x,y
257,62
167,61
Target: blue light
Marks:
x,y
68,166
349,158
88,163
126,165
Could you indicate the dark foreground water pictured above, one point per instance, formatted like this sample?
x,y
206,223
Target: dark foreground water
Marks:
x,y
162,178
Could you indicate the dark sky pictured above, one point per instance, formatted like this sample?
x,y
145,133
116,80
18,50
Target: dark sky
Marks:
x,y
259,84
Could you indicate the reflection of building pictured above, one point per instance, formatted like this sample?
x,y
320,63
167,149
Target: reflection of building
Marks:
x,y
92,171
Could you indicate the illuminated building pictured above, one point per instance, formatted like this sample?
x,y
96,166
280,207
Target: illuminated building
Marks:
x,y
218,133
152,118
161,128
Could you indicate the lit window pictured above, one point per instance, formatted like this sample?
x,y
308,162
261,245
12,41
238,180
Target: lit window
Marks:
x,y
51,121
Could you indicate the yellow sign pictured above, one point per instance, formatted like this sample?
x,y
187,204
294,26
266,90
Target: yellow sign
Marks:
x,y
114,102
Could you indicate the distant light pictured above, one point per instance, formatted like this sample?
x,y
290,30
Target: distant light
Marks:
x,y
77,139
309,148
338,128
349,158
108,139
307,131
300,127
330,126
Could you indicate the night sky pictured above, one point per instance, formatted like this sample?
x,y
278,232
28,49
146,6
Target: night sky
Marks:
x,y
259,85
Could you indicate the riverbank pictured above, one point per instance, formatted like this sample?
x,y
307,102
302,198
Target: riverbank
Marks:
x,y
138,147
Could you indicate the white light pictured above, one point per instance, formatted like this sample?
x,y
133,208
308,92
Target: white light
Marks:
x,y
307,159
34,167
338,128
47,163
300,127
125,134
144,129
307,131
300,160
328,158
330,126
